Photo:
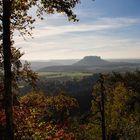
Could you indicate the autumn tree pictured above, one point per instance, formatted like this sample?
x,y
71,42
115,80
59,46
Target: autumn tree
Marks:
x,y
121,121
49,114
14,15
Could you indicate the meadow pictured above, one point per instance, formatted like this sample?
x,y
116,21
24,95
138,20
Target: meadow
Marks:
x,y
64,74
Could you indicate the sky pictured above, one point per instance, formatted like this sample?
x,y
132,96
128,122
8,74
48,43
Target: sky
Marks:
x,y
106,28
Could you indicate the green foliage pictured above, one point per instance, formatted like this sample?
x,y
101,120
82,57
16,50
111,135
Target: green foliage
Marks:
x,y
72,75
121,123
132,81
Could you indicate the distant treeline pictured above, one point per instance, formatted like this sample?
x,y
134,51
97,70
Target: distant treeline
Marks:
x,y
82,88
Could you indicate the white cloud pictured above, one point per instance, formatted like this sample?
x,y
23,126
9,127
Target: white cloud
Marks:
x,y
100,24
77,40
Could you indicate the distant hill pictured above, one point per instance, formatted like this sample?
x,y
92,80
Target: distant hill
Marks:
x,y
38,64
93,64
87,63
91,61
125,60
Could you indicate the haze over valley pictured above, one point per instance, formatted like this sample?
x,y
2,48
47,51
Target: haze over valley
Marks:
x,y
87,64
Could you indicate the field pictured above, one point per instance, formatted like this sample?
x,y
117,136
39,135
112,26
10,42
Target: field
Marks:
x,y
64,74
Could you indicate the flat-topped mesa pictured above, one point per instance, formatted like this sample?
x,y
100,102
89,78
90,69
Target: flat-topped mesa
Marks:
x,y
92,57
91,61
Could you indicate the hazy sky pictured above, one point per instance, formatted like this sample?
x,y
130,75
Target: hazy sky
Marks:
x,y
107,28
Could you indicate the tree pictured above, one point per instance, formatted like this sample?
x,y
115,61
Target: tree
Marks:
x,y
102,107
99,104
121,121
20,73
8,98
14,15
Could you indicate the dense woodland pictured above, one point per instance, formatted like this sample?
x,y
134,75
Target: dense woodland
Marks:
x,y
72,109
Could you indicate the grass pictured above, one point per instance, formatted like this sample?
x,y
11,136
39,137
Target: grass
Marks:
x,y
63,74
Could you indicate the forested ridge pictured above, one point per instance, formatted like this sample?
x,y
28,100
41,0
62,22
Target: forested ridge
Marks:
x,y
77,114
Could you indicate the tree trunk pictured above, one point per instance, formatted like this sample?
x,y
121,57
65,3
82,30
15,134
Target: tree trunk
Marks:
x,y
102,108
8,99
